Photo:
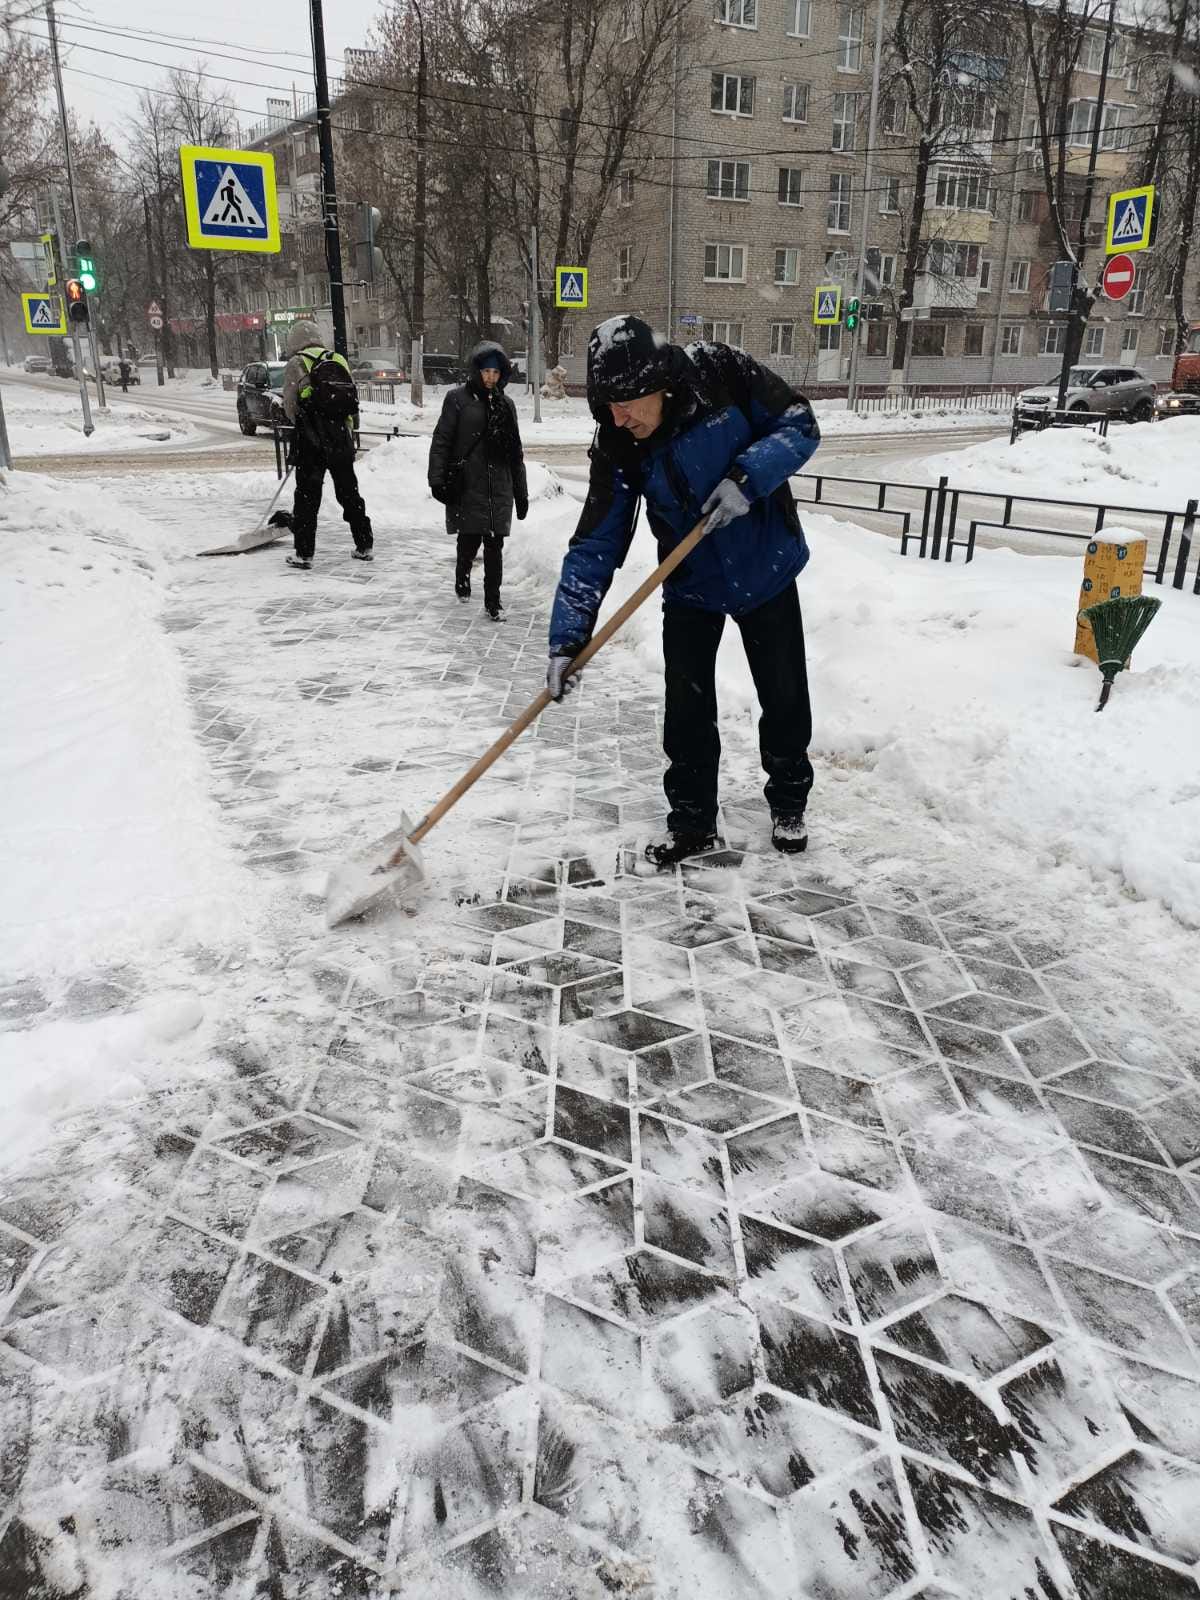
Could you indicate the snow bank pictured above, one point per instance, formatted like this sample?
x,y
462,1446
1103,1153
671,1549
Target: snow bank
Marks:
x,y
957,689
109,843
1151,465
42,422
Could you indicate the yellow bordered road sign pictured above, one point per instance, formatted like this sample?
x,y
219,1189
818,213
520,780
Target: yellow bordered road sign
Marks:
x,y
44,313
1130,212
229,199
571,288
827,305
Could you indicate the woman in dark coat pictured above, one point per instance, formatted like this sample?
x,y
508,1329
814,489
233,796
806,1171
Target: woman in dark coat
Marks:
x,y
477,471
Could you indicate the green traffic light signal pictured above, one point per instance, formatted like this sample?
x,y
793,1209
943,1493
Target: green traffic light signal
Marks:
x,y
86,265
852,308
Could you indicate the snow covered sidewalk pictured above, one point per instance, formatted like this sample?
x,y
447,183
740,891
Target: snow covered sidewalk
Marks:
x,y
770,1228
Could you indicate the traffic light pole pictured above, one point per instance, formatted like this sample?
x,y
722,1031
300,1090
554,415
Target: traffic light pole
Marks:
x,y
329,206
89,427
868,173
52,27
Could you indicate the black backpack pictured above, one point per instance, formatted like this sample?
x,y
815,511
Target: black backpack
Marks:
x,y
332,392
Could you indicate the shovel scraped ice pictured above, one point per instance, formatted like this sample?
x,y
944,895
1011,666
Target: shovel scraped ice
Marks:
x,y
390,869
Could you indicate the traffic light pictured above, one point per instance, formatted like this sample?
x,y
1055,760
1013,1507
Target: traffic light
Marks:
x,y
77,310
852,312
368,255
85,266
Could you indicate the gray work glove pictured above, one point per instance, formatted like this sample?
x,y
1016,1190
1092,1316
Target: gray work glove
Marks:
x,y
556,676
725,504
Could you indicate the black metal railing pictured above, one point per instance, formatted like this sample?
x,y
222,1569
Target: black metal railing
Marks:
x,y
942,509
1035,419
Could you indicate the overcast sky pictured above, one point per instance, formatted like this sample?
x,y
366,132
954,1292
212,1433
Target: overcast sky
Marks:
x,y
272,34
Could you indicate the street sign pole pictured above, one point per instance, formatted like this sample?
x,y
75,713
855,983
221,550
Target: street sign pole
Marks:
x,y
860,279
5,453
333,243
52,28
89,426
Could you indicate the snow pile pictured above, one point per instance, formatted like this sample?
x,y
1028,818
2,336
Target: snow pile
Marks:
x,y
1149,465
44,422
836,422
109,843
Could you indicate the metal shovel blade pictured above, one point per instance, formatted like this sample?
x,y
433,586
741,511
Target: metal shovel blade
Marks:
x,y
367,880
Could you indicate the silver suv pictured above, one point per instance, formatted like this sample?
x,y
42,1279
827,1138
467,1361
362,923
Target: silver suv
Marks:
x,y
1114,391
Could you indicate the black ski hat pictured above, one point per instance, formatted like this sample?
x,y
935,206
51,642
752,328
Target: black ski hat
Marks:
x,y
626,359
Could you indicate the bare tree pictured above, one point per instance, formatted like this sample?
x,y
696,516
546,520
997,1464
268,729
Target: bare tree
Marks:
x,y
947,66
29,141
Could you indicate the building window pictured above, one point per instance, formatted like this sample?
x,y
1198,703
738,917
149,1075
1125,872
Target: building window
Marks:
x,y
725,263
881,270
849,42
1027,205
1115,127
830,338
962,191
1091,52
732,94
929,339
787,266
795,102
894,113
845,111
838,216
877,338
729,180
799,18
889,195
973,339
1135,301
1166,341
945,259
791,186
1093,343
985,274
625,189
783,338
625,264
737,13
1053,338
566,340
723,333
1129,342
1010,339
1018,277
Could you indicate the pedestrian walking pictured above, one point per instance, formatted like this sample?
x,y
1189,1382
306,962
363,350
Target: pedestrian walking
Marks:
x,y
321,403
702,432
123,374
477,471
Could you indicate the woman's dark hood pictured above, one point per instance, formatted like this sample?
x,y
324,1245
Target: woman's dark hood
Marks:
x,y
488,348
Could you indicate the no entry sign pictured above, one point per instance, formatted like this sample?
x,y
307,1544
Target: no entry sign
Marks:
x,y
1117,278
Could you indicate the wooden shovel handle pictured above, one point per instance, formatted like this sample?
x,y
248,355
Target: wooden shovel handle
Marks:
x,y
534,710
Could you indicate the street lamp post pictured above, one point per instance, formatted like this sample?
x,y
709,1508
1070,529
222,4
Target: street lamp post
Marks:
x,y
868,173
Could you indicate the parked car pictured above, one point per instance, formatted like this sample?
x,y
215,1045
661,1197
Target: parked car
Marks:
x,y
1179,403
112,373
520,367
258,395
1100,391
442,368
38,364
377,372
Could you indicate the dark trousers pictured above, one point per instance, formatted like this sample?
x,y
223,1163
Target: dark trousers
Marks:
x,y
311,467
467,548
773,637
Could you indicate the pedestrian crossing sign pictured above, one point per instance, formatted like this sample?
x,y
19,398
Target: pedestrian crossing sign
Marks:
x,y
570,287
827,305
1130,212
43,313
229,199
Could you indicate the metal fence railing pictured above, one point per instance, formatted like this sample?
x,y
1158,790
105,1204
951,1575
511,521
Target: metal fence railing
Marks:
x,y
935,516
1031,420
922,402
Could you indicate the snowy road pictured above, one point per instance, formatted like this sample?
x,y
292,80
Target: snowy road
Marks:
x,y
766,1229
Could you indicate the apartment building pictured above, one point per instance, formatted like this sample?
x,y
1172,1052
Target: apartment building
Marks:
x,y
759,197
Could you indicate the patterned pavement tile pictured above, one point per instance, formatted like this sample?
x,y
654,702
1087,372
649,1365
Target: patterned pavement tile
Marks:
x,y
782,1229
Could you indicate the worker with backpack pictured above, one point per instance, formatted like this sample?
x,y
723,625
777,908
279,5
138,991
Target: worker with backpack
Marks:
x,y
321,402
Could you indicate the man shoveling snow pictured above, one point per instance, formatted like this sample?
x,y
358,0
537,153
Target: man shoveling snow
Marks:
x,y
702,432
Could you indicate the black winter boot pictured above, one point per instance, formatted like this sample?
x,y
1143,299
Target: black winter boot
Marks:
x,y
789,834
678,847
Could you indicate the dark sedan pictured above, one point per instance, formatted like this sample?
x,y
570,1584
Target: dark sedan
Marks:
x,y
258,395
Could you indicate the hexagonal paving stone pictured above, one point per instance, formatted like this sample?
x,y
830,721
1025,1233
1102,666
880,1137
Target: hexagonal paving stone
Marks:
x,y
946,1419
1147,1499
1106,1572
289,1142
630,1030
817,1362
716,1107
851,1535
821,1205
967,1337
982,1543
770,1441
647,1289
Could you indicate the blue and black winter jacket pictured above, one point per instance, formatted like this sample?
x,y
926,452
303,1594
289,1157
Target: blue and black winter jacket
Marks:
x,y
723,411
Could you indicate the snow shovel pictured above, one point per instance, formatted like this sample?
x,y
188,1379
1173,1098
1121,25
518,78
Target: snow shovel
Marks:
x,y
385,869
272,525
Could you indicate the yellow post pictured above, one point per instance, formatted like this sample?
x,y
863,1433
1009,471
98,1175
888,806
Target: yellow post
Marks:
x,y
1111,567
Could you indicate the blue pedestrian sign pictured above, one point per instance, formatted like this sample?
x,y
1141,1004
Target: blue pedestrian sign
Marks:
x,y
571,288
827,305
229,199
1130,212
43,313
